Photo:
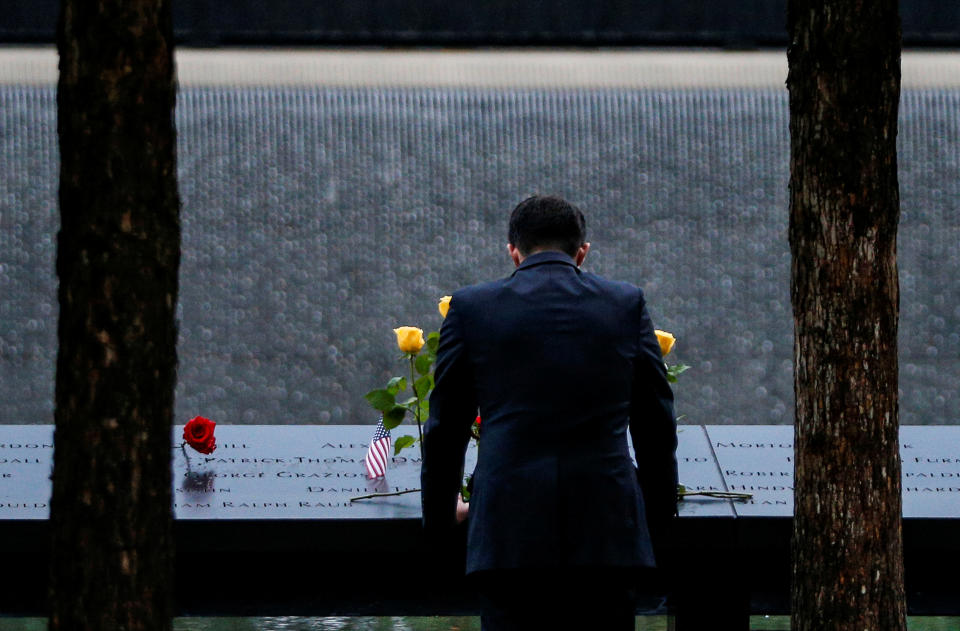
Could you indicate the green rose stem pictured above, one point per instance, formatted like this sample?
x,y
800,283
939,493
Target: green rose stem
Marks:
x,y
183,446
416,411
373,495
723,495
720,495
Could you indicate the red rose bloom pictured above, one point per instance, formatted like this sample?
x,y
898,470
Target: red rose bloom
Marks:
x,y
198,433
477,421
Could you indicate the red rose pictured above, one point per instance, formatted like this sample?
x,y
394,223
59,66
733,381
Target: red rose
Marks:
x,y
477,421
198,433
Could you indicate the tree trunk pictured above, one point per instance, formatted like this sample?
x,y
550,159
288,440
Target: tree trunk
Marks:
x,y
844,84
117,261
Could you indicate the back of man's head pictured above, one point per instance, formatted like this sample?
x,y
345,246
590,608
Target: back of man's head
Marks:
x,y
547,223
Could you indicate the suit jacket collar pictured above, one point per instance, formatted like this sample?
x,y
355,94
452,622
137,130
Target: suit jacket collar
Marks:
x,y
542,258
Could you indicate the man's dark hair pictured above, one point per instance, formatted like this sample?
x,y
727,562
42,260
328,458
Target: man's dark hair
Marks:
x,y
547,223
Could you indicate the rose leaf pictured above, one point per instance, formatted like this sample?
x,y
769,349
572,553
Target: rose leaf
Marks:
x,y
423,363
423,385
396,384
381,400
402,443
394,416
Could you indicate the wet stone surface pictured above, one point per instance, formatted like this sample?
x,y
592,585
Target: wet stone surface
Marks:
x,y
313,471
759,460
256,472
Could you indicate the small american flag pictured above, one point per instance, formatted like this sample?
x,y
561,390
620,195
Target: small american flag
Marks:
x,y
378,452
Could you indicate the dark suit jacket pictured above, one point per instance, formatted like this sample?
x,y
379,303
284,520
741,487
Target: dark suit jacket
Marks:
x,y
560,364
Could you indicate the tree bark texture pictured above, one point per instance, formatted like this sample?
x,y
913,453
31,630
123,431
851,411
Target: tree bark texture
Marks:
x,y
117,262
844,85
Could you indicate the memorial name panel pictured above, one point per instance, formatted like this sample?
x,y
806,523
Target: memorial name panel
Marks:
x,y
312,472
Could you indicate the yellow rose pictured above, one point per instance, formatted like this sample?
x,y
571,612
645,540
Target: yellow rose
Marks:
x,y
666,342
409,339
444,305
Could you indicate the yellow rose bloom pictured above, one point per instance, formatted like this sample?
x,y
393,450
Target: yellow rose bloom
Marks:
x,y
666,342
444,305
409,339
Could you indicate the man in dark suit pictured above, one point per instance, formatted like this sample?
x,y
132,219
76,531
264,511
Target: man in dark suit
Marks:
x,y
560,364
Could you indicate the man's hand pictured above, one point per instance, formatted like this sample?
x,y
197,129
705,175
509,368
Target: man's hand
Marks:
x,y
463,508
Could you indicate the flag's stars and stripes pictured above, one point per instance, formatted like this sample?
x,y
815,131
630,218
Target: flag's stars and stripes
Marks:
x,y
378,452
